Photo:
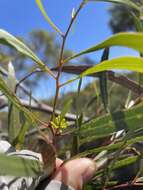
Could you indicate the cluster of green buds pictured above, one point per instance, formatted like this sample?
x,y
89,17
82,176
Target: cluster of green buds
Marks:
x,y
59,123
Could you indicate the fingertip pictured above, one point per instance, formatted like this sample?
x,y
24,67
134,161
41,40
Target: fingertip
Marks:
x,y
59,162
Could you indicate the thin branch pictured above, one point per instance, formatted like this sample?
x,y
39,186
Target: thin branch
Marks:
x,y
60,62
126,82
39,107
26,77
22,86
121,80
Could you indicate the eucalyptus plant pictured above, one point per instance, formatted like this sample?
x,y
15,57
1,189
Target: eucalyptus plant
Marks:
x,y
112,140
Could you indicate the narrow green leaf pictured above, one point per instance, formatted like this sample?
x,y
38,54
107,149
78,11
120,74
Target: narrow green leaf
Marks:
x,y
140,81
125,162
69,81
127,63
15,101
13,122
8,39
139,28
137,23
66,106
128,100
128,120
128,3
103,81
39,3
75,145
16,166
20,139
78,104
78,122
13,113
130,40
111,147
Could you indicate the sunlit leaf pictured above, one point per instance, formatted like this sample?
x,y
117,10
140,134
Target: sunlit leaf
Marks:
x,y
125,63
8,39
130,40
39,3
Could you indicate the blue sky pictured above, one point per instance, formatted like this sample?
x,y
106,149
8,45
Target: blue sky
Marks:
x,y
19,17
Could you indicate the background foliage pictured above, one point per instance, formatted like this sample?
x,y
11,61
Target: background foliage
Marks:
x,y
103,121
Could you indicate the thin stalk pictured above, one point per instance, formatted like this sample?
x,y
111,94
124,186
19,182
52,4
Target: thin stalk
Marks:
x,y
60,62
69,81
26,77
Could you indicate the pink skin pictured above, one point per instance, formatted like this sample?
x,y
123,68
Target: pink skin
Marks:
x,y
75,172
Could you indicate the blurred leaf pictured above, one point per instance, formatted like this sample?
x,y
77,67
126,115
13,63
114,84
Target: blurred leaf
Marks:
x,y
75,145
111,147
78,122
103,81
128,120
16,166
139,28
8,39
15,101
11,79
87,187
66,106
140,81
13,113
20,138
39,3
137,22
123,2
125,162
130,40
128,100
78,105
